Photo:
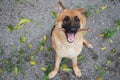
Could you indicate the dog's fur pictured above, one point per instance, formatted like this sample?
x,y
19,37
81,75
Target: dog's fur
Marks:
x,y
64,29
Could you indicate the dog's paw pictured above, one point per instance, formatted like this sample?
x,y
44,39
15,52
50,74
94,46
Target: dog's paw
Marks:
x,y
52,74
77,72
90,46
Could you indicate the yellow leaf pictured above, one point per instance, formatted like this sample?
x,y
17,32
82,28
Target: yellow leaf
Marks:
x,y
65,67
101,35
104,7
103,48
18,27
109,61
22,21
44,68
111,41
97,11
84,33
22,39
32,57
99,78
16,71
44,37
30,45
41,48
33,62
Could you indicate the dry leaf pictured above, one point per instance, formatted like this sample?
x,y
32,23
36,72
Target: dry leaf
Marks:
x,y
22,39
103,48
65,67
1,71
99,78
41,48
111,41
101,35
44,37
30,45
44,68
16,71
104,7
33,62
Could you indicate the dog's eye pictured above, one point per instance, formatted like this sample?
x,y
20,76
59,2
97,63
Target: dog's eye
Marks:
x,y
76,19
66,19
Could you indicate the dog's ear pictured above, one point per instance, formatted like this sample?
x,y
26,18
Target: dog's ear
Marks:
x,y
81,10
60,6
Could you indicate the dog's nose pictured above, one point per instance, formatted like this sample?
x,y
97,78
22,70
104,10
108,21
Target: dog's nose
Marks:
x,y
73,30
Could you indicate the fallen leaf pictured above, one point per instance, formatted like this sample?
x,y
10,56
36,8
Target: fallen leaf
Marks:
x,y
109,61
44,68
104,7
16,71
101,35
32,57
112,51
65,67
44,37
80,57
99,78
96,67
30,46
33,62
1,71
103,48
97,11
41,48
84,33
22,21
53,14
22,39
111,41
17,27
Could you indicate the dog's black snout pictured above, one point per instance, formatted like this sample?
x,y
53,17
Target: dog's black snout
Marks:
x,y
73,30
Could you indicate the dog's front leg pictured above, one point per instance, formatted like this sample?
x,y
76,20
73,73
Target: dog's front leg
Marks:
x,y
56,68
75,67
87,43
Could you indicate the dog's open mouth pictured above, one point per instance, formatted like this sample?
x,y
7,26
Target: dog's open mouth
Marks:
x,y
70,37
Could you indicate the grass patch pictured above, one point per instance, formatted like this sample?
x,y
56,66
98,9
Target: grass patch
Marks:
x,y
108,33
16,62
49,69
88,12
117,24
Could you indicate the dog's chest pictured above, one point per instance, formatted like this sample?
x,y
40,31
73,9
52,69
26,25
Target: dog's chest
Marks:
x,y
70,50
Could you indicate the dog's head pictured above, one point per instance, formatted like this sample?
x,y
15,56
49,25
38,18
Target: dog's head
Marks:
x,y
70,20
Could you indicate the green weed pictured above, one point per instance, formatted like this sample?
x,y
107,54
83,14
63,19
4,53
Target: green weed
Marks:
x,y
49,69
108,33
88,12
117,24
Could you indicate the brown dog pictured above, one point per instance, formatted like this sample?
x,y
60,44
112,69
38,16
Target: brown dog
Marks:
x,y
67,39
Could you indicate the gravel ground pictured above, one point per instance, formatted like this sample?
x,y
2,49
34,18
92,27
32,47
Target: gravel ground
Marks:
x,y
39,11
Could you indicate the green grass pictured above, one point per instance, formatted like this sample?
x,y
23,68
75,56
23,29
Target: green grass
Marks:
x,y
16,61
88,12
117,24
108,33
49,69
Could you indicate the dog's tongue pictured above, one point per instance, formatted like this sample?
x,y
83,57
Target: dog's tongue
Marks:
x,y
70,37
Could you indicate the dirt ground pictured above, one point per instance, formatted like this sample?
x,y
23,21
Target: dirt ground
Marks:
x,y
25,48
